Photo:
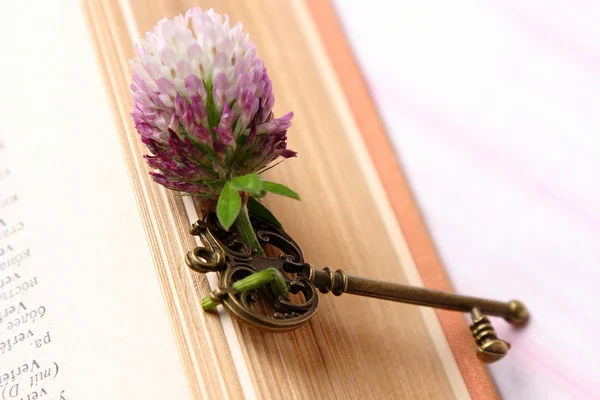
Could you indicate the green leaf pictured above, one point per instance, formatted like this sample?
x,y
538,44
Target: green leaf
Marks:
x,y
252,183
280,189
228,206
258,209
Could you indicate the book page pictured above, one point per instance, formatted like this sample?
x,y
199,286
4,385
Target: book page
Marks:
x,y
89,241
81,311
345,220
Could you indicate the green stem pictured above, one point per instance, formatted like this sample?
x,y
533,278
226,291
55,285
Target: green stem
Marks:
x,y
246,231
258,279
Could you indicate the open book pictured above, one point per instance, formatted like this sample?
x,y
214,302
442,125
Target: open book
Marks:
x,y
95,299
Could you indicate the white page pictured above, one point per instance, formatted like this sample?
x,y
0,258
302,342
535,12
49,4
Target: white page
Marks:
x,y
493,108
85,263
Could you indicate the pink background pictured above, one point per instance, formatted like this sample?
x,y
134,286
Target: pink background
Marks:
x,y
494,112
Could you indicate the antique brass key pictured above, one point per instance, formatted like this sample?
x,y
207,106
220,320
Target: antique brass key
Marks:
x,y
490,348
224,252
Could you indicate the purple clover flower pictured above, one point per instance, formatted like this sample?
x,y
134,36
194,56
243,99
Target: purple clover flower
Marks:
x,y
202,103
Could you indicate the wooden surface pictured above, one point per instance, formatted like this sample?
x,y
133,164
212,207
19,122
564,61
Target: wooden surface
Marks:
x,y
354,347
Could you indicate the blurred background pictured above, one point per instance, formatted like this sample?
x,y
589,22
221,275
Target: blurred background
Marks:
x,y
493,109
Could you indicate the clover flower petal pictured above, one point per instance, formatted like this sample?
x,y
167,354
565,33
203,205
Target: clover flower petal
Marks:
x,y
203,104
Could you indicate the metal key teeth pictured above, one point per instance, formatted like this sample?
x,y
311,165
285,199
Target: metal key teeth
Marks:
x,y
490,348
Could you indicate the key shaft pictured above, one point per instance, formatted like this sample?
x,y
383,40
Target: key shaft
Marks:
x,y
339,282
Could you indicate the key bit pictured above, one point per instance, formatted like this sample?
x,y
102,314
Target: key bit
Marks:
x,y
490,348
